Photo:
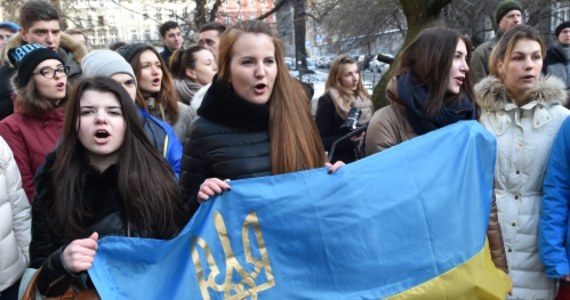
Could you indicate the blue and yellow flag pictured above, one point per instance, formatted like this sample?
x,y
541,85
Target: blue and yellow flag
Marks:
x,y
407,223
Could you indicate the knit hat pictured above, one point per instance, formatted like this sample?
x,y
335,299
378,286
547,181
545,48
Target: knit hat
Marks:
x,y
27,57
561,27
105,63
129,51
504,7
10,26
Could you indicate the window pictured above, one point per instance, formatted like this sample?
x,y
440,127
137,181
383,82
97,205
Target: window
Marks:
x,y
134,36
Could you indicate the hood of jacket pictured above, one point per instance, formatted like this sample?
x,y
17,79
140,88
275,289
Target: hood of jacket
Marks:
x,y
66,43
492,94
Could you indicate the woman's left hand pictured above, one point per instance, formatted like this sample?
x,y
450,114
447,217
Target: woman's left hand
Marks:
x,y
336,166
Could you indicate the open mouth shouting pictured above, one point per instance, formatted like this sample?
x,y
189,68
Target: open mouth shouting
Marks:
x,y
102,136
60,86
260,88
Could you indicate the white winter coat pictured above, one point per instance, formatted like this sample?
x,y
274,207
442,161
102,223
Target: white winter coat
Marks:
x,y
524,139
15,220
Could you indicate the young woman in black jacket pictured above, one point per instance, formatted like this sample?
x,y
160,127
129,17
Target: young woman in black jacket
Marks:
x,y
254,121
98,183
345,98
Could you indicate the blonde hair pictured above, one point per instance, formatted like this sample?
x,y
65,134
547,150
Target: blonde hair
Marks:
x,y
344,102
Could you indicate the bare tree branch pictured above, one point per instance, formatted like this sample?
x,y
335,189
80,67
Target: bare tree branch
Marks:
x,y
275,8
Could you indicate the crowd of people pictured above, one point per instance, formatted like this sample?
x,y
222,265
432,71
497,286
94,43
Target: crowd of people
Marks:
x,y
129,141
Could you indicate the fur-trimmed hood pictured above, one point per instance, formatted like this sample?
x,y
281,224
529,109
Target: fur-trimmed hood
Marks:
x,y
67,43
492,94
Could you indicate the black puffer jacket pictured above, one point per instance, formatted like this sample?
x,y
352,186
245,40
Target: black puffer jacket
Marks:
x,y
230,139
105,204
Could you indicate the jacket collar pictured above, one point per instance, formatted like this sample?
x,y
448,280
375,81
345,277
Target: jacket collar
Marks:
x,y
223,105
493,98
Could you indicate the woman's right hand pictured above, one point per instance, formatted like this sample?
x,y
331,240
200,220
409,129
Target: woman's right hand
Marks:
x,y
211,187
78,256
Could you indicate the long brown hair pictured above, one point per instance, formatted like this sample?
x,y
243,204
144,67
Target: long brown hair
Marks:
x,y
295,141
428,58
147,186
167,96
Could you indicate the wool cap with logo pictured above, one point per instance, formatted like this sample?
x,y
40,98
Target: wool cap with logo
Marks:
x,y
27,57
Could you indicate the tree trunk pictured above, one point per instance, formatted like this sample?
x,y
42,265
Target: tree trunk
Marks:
x,y
299,16
200,13
419,14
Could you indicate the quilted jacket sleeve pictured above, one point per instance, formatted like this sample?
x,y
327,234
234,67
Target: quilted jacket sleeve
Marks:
x,y
21,211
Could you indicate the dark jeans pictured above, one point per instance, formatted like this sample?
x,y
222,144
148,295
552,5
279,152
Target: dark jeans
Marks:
x,y
10,293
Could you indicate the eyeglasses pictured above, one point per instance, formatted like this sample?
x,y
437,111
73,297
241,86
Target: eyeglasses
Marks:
x,y
49,72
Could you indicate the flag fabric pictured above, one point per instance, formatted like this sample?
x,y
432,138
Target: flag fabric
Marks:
x,y
406,223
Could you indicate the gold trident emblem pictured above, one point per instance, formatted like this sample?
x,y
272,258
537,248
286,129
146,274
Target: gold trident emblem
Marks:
x,y
246,285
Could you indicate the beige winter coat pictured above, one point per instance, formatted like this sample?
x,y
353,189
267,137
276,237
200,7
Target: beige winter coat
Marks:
x,y
524,139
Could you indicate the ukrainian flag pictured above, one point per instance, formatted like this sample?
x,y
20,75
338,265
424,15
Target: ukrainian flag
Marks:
x,y
407,223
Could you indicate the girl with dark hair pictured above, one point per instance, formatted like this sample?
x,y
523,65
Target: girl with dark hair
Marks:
x,y
155,90
345,94
254,121
33,130
192,69
432,88
524,111
96,184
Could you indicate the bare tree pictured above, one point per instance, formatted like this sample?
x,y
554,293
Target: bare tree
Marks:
x,y
300,27
419,15
202,15
362,24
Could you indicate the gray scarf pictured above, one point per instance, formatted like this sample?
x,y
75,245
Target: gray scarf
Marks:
x,y
186,89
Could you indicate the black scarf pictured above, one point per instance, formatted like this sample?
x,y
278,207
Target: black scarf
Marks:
x,y
414,98
222,104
